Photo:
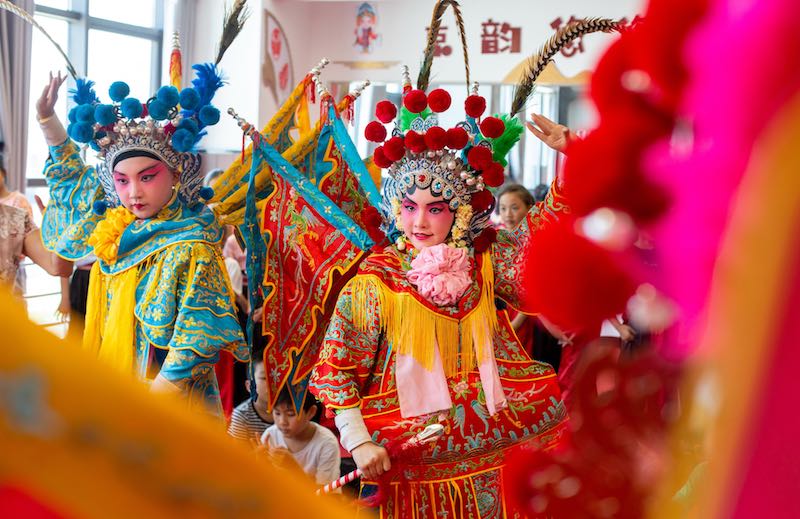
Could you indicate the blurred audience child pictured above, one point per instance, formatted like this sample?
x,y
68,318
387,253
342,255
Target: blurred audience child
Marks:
x,y
232,249
250,419
19,237
12,198
18,200
514,202
313,447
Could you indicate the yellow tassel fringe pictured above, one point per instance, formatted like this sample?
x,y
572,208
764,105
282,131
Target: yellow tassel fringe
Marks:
x,y
413,329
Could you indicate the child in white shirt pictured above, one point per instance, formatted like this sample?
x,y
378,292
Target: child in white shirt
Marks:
x,y
313,447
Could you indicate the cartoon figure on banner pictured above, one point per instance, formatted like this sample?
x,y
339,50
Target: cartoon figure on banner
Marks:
x,y
366,20
499,37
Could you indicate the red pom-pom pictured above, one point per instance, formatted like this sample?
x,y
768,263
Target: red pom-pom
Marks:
x,y
169,129
485,239
570,275
385,111
394,149
380,159
492,127
482,201
457,138
415,101
479,157
436,138
415,142
439,100
493,175
375,132
475,106
372,222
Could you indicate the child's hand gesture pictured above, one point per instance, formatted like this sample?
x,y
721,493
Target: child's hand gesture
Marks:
x,y
45,105
554,135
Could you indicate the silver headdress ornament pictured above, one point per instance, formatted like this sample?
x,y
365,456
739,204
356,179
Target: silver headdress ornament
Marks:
x,y
168,126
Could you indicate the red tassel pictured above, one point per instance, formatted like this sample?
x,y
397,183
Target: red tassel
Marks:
x,y
348,114
311,90
243,138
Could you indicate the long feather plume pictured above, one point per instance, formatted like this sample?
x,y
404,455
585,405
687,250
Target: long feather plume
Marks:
x,y
463,34
439,9
538,62
234,21
25,15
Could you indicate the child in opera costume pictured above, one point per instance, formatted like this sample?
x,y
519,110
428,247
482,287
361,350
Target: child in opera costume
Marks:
x,y
160,304
416,338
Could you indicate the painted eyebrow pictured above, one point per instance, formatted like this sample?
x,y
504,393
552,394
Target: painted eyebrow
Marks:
x,y
145,170
409,201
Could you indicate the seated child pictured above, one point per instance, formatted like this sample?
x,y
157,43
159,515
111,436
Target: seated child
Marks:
x,y
250,418
312,446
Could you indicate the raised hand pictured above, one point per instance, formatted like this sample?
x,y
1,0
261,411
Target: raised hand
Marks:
x,y
45,105
554,135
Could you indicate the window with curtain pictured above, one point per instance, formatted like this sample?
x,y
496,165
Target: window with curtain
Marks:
x,y
106,40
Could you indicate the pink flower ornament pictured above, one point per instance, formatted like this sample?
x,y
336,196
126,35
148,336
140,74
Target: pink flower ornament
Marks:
x,y
441,274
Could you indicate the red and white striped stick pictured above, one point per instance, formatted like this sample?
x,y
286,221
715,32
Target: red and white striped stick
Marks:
x,y
339,483
430,433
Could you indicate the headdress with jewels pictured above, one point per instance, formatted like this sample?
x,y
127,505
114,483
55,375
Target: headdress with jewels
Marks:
x,y
168,126
459,164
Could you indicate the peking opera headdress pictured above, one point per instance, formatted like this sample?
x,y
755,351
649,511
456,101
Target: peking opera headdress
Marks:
x,y
168,126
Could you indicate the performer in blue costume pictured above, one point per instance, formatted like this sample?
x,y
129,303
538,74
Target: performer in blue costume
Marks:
x,y
160,304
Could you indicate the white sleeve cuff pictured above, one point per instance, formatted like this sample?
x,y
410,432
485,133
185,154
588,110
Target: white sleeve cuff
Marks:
x,y
53,130
352,429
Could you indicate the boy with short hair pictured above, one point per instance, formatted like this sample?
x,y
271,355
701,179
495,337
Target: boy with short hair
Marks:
x,y
313,447
250,419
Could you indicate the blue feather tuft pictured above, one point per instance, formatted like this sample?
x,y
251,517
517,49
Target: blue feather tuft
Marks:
x,y
83,93
207,81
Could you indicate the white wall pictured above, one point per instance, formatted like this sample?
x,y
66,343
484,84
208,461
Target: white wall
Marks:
x,y
402,24
240,65
317,29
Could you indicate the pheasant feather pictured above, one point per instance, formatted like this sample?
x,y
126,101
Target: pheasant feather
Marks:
x,y
562,37
25,15
234,21
423,79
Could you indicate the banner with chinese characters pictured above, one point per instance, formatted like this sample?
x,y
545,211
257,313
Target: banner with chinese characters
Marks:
x,y
500,35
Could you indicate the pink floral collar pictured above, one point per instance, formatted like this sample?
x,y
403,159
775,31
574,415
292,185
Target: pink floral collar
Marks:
x,y
441,274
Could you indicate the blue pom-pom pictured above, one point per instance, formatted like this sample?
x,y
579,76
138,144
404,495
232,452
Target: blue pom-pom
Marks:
x,y
85,114
118,91
209,115
131,108
168,95
158,110
182,140
189,123
99,207
189,98
72,115
206,193
105,115
81,132
94,145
